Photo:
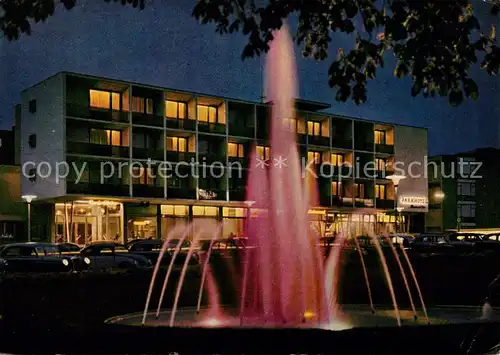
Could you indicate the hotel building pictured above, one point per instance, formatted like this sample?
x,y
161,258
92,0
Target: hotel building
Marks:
x,y
105,125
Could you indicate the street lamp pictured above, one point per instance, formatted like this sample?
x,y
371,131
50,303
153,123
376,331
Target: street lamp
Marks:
x,y
439,195
28,199
395,180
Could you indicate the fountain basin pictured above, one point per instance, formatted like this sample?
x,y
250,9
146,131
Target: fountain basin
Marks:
x,y
451,330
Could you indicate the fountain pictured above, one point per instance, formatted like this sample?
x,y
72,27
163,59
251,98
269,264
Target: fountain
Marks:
x,y
285,283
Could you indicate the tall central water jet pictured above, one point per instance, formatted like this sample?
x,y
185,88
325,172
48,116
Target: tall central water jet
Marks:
x,y
286,268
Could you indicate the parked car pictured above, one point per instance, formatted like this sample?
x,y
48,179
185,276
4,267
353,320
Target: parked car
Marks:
x,y
68,247
491,241
431,244
151,249
401,239
35,257
465,240
109,255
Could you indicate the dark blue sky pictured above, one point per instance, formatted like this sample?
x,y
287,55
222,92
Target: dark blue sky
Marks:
x,y
164,46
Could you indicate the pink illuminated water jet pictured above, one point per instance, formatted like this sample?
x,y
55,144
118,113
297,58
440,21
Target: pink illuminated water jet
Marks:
x,y
284,281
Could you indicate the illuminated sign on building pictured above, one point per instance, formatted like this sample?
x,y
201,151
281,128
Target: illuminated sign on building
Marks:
x,y
414,201
206,195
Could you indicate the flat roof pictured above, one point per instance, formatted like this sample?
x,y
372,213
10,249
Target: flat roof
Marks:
x,y
312,106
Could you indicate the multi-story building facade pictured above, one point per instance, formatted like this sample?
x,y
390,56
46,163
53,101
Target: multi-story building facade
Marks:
x,y
114,138
464,191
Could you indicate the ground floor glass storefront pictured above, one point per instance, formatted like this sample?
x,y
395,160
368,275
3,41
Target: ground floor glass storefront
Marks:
x,y
82,222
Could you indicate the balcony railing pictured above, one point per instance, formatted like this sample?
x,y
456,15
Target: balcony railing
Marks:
x,y
325,200
212,158
212,127
187,193
383,174
319,140
302,139
175,157
102,150
236,162
384,148
241,131
363,202
384,204
341,142
147,153
340,201
148,191
97,189
363,145
84,111
147,120
327,169
181,123
237,195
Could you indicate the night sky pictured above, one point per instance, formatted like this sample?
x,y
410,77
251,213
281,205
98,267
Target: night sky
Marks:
x,y
163,45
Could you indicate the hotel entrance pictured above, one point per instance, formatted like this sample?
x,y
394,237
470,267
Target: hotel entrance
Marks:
x,y
83,222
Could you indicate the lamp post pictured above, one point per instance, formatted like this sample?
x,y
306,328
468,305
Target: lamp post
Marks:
x,y
439,197
246,264
28,199
395,180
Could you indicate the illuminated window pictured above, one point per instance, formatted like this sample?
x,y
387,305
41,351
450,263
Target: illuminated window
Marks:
x,y
114,137
235,150
100,99
380,164
105,137
174,210
176,144
290,124
175,109
263,153
379,137
142,176
314,157
313,128
115,101
337,159
359,191
205,211
142,105
207,114
233,212
336,188
380,191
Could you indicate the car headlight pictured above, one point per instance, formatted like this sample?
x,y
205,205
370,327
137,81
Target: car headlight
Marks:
x,y
86,260
65,262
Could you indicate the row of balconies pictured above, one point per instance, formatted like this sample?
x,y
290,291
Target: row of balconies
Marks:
x,y
363,140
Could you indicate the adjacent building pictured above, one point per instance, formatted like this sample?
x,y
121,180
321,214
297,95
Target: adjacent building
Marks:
x,y
109,159
464,191
12,208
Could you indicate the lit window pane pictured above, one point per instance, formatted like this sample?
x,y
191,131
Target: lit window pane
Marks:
x,y
99,99
149,106
232,149
241,150
182,144
137,104
182,110
171,109
212,114
202,113
115,101
115,138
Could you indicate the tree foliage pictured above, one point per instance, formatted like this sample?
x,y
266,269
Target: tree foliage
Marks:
x,y
435,42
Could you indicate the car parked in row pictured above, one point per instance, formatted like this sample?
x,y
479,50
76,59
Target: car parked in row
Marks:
x,y
151,249
38,257
109,255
